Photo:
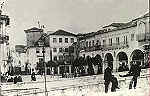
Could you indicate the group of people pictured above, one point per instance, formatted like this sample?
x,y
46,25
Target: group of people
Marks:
x,y
134,71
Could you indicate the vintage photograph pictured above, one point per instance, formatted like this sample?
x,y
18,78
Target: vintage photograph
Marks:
x,y
74,48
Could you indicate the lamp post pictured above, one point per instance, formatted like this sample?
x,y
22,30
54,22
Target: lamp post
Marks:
x,y
42,44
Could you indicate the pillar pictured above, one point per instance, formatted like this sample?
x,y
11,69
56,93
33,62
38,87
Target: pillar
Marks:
x,y
58,70
69,69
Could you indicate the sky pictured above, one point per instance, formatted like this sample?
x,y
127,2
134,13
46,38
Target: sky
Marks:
x,y
77,16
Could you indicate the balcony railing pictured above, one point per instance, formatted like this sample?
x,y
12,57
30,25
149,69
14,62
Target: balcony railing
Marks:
x,y
143,37
113,46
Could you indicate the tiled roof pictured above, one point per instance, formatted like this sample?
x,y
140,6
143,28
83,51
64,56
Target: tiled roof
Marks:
x,y
34,29
62,32
115,25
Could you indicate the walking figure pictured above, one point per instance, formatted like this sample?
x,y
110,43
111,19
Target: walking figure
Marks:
x,y
135,72
33,78
107,77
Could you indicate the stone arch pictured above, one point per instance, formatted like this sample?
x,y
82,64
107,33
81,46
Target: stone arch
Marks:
x,y
122,61
98,61
137,55
108,60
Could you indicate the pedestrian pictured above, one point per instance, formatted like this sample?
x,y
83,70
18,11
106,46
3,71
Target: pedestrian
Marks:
x,y
114,84
33,78
135,72
19,78
15,79
107,77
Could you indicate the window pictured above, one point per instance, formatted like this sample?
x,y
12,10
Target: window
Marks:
x,y
54,40
110,41
72,40
66,40
97,42
37,50
55,58
60,57
60,49
132,37
40,59
104,42
54,50
125,40
86,43
66,49
60,40
90,44
93,42
117,40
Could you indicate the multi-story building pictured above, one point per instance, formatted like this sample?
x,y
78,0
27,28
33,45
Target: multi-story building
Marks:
x,y
4,41
119,43
56,49
33,51
59,45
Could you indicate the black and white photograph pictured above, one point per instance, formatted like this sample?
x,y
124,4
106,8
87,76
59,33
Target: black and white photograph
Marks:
x,y
74,48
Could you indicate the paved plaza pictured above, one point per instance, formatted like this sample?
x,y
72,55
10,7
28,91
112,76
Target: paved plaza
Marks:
x,y
80,86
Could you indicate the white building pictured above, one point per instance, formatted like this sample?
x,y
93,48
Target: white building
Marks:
x,y
59,45
33,51
56,48
119,42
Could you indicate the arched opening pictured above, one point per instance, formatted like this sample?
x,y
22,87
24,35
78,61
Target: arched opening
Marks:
x,y
109,60
98,62
122,60
137,55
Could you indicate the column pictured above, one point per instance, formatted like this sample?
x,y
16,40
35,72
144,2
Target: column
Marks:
x,y
69,69
58,70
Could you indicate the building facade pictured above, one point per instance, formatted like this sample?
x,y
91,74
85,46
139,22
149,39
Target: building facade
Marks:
x,y
34,52
60,41
56,49
4,42
119,43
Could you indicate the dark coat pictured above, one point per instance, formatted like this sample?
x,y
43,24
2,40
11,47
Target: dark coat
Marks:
x,y
33,78
135,70
15,79
108,74
114,82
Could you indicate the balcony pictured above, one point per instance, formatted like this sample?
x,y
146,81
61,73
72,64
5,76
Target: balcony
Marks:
x,y
106,47
143,37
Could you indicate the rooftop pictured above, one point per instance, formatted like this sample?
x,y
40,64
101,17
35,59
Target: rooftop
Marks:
x,y
34,29
62,32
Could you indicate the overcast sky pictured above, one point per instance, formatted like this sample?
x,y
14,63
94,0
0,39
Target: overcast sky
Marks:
x,y
71,15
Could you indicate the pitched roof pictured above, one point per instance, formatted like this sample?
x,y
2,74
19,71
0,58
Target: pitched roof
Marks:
x,y
34,29
62,32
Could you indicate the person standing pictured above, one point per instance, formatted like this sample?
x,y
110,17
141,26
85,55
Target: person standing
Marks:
x,y
107,77
114,84
135,72
33,78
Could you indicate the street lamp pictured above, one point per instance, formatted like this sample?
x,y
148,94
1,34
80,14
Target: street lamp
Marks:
x,y
42,43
